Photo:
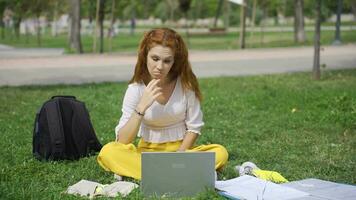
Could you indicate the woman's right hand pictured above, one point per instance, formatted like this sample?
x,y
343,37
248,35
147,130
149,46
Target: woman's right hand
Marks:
x,y
151,92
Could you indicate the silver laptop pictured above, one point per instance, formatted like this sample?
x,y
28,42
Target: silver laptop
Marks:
x,y
177,174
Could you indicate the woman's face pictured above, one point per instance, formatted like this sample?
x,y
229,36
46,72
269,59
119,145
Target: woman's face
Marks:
x,y
160,60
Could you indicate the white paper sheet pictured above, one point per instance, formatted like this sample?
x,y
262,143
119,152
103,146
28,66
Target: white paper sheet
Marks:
x,y
251,188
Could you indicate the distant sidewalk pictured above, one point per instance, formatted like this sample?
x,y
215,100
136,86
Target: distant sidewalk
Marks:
x,y
4,47
88,68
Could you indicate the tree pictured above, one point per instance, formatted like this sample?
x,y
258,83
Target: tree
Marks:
x,y
217,12
133,17
18,7
165,10
184,6
101,23
275,7
242,25
328,7
145,4
95,35
197,7
226,14
55,17
37,7
353,8
2,25
337,40
75,39
89,8
299,33
172,5
350,6
112,22
253,20
316,66
263,4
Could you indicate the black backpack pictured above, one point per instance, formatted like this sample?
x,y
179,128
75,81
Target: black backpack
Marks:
x,y
63,130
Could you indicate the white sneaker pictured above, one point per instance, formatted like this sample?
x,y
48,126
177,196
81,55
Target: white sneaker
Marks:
x,y
246,168
117,177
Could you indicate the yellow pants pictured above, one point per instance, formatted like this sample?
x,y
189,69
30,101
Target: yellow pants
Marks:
x,y
125,159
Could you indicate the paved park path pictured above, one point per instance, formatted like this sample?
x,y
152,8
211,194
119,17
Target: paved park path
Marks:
x,y
50,68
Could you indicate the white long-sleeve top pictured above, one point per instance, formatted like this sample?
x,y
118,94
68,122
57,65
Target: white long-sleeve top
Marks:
x,y
164,123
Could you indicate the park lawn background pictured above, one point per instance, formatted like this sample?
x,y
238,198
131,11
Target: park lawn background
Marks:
x,y
127,43
288,123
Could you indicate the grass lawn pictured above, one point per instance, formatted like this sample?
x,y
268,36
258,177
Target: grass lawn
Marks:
x,y
127,43
251,116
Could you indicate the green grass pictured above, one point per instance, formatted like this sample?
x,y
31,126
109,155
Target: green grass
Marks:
x,y
251,116
127,43
345,23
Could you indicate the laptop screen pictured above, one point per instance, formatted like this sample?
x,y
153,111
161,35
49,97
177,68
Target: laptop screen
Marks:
x,y
177,174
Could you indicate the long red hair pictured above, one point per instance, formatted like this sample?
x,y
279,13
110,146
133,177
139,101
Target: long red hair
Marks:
x,y
181,66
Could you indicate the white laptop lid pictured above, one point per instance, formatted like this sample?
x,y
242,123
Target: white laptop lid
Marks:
x,y
177,174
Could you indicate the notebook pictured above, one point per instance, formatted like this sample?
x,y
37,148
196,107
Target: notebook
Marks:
x,y
177,174
252,188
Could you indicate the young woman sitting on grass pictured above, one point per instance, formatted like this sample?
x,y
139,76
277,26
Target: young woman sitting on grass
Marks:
x,y
161,105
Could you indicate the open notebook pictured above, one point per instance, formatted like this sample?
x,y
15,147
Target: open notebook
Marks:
x,y
249,187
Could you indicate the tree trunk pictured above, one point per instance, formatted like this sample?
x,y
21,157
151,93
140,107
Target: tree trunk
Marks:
x,y
316,66
187,28
337,40
262,23
101,22
96,25
254,13
197,12
2,26
242,25
133,20
217,13
75,39
27,33
171,8
54,23
38,28
112,22
226,14
17,24
299,33
253,18
145,11
91,15
353,9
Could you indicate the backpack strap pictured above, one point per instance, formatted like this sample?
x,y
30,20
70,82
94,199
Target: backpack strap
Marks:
x,y
63,96
35,134
55,126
